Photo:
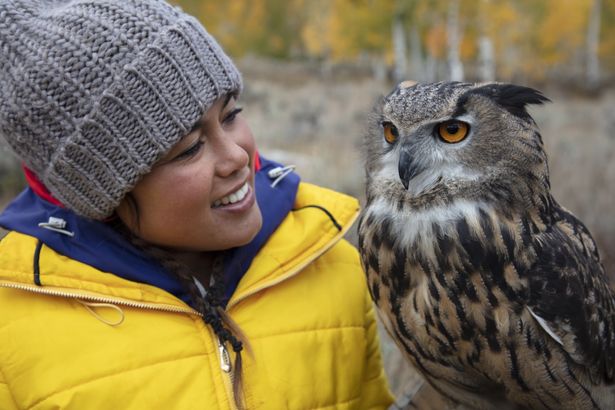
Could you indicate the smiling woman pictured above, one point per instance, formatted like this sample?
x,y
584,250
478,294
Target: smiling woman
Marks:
x,y
156,260
205,183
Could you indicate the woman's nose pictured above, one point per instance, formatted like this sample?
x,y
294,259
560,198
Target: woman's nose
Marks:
x,y
232,156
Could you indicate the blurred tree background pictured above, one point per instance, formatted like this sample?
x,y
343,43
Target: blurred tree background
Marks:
x,y
528,41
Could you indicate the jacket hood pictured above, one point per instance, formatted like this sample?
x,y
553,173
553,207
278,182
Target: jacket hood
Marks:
x,y
98,245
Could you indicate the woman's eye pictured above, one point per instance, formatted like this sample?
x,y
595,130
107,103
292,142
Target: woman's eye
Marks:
x,y
191,151
452,131
230,117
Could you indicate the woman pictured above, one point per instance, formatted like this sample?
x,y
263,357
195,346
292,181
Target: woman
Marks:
x,y
155,260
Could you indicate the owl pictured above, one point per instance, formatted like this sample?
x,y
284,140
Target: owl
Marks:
x,y
492,290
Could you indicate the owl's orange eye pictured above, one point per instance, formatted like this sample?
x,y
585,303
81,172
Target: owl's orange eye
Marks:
x,y
390,132
453,131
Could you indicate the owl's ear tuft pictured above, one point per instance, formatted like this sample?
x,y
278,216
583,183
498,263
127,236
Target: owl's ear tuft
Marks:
x,y
513,98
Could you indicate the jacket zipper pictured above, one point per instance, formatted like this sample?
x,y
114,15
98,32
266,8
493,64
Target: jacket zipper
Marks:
x,y
227,367
225,358
100,299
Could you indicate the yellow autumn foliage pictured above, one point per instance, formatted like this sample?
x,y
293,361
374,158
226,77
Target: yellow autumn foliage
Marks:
x,y
529,36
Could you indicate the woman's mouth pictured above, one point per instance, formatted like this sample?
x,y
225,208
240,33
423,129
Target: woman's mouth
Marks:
x,y
234,197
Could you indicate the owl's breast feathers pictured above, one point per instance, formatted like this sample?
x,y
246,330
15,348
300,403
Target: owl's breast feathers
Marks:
x,y
478,295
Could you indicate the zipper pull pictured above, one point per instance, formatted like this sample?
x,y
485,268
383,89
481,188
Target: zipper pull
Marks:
x,y
225,359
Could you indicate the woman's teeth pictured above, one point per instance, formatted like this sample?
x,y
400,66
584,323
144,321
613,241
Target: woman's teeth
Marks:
x,y
234,197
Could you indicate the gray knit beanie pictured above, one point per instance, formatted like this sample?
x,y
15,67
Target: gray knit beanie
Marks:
x,y
93,93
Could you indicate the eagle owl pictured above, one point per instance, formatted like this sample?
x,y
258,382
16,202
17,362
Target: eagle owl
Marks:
x,y
491,289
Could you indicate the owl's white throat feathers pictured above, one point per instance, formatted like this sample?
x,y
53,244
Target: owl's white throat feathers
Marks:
x,y
418,228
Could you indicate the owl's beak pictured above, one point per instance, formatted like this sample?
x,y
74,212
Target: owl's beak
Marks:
x,y
407,168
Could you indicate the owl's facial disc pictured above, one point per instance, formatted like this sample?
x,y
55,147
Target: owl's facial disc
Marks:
x,y
433,152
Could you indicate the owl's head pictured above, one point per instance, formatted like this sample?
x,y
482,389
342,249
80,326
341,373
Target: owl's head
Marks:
x,y
457,140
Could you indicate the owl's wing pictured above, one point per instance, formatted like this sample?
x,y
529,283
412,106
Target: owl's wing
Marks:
x,y
569,292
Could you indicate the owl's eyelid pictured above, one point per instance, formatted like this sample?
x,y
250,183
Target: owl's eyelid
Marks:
x,y
391,124
468,119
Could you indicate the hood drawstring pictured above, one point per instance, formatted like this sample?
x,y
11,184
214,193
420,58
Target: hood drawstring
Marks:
x,y
279,173
91,306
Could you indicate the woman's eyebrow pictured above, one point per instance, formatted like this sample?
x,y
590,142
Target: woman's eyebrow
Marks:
x,y
228,98
199,123
196,126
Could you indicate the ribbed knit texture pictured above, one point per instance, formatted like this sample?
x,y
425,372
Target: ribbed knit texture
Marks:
x,y
93,93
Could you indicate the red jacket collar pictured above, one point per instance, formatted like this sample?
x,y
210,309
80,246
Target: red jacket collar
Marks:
x,y
38,187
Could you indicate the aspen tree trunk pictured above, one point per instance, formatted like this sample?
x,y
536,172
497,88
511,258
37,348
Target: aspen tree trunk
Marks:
x,y
431,69
486,55
417,65
399,49
379,68
486,68
592,74
453,40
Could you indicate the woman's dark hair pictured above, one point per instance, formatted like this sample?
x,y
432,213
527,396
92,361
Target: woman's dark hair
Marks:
x,y
210,305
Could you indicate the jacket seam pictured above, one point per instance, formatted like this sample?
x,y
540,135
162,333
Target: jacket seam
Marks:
x,y
282,269
315,248
337,403
126,371
8,388
335,264
318,244
308,330
373,379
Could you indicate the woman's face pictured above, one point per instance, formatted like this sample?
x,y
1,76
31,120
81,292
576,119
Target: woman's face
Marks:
x,y
200,196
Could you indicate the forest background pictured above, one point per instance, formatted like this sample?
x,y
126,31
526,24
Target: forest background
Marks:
x,y
313,69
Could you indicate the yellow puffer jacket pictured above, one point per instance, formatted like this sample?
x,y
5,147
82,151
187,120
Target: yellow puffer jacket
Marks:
x,y
303,306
